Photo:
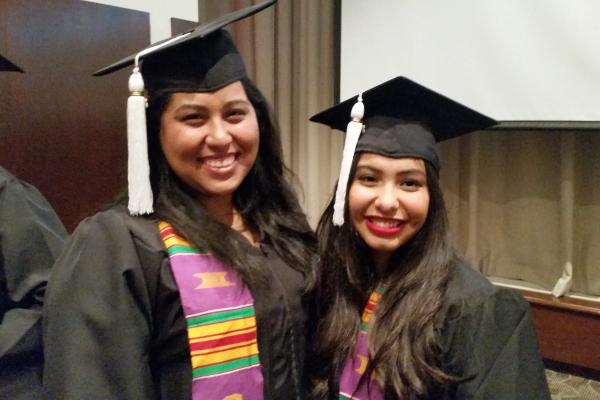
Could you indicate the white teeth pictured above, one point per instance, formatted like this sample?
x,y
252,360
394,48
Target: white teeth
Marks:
x,y
385,223
219,162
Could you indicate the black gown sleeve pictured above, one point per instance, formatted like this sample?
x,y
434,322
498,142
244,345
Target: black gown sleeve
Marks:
x,y
31,237
489,341
98,316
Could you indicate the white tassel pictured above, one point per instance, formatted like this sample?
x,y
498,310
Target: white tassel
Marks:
x,y
353,132
138,175
138,170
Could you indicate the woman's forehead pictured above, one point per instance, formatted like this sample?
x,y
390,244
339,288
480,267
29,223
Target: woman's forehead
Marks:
x,y
233,92
234,88
373,159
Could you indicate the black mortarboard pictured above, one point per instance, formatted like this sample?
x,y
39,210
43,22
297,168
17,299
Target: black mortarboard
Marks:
x,y
6,65
401,119
203,59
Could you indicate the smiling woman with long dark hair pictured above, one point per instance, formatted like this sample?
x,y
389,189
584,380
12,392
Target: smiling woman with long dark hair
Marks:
x,y
191,287
399,314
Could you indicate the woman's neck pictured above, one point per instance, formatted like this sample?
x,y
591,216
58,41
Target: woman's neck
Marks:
x,y
381,260
224,211
222,208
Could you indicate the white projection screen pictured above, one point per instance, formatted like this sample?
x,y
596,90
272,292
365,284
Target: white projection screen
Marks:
x,y
515,60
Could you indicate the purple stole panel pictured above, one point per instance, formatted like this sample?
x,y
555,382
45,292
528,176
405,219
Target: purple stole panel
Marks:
x,y
221,325
357,363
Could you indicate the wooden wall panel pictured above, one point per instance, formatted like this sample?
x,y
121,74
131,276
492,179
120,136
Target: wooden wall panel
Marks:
x,y
568,330
60,128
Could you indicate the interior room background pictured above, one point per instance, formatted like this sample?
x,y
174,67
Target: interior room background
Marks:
x,y
524,202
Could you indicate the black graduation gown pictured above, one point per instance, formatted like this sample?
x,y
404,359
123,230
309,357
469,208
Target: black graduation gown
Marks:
x,y
487,336
114,327
31,237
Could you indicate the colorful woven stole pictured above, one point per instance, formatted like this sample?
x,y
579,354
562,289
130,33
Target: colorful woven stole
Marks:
x,y
221,326
357,364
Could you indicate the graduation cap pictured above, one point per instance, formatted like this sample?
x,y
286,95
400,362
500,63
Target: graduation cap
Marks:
x,y
203,59
398,118
6,65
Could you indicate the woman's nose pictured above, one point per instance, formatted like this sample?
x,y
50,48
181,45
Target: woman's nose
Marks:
x,y
387,199
219,134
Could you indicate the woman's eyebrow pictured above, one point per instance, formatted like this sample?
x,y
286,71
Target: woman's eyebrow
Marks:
x,y
237,102
366,167
412,171
185,107
189,107
407,171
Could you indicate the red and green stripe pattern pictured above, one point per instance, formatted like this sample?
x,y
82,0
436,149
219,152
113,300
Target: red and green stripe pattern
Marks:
x,y
369,308
223,341
174,243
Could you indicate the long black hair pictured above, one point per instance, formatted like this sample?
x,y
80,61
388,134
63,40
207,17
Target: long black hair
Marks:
x,y
402,341
265,199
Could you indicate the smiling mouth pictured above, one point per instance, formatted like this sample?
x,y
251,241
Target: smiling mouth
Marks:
x,y
219,162
384,226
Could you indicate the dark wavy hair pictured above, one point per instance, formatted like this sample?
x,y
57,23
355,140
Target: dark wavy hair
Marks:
x,y
265,199
402,341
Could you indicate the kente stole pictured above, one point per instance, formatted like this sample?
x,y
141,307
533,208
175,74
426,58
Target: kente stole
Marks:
x,y
221,325
357,362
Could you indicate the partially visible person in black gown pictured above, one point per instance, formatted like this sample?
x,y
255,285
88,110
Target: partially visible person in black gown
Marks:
x,y
31,238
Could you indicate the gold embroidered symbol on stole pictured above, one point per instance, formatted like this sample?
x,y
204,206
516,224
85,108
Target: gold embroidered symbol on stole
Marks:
x,y
363,364
212,280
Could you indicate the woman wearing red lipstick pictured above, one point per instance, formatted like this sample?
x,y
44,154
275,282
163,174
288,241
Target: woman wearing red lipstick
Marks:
x,y
191,288
399,313
388,203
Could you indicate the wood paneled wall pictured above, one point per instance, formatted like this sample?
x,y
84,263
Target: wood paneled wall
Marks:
x,y
60,128
568,330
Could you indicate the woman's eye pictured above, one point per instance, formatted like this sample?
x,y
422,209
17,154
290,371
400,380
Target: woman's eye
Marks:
x,y
236,115
192,118
411,184
366,179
